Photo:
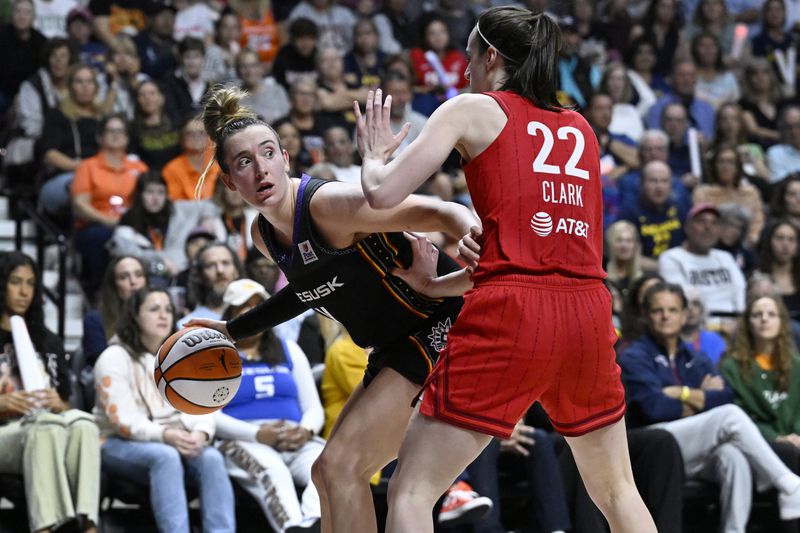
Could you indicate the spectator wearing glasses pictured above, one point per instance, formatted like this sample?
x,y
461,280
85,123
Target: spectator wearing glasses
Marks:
x,y
101,191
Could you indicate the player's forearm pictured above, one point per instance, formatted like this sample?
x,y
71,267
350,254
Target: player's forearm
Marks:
x,y
281,307
459,219
452,284
451,218
381,190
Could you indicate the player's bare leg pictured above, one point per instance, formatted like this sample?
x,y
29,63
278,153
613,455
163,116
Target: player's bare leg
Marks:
x,y
365,439
422,477
325,515
604,463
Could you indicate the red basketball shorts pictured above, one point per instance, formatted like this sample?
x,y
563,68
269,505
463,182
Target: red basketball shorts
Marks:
x,y
521,339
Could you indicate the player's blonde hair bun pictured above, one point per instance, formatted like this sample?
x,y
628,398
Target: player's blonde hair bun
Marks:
x,y
223,108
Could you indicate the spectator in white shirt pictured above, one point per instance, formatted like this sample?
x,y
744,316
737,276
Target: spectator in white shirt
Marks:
x,y
714,273
340,154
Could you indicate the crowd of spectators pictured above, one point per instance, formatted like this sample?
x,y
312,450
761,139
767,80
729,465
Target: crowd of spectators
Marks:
x,y
696,111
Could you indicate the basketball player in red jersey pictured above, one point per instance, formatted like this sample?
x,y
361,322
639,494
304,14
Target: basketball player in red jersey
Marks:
x,y
536,322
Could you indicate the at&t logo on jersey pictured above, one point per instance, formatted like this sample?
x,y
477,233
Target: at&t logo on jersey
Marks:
x,y
542,225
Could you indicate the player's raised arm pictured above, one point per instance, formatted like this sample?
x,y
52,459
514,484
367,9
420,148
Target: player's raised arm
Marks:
x,y
386,183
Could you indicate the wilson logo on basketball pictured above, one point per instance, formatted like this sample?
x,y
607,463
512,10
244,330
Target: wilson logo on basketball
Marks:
x,y
193,340
542,224
197,370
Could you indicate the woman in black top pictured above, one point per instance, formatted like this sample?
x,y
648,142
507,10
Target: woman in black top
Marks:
x,y
71,135
339,256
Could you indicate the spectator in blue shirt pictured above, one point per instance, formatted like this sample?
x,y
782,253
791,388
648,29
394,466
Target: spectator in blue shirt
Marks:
x,y
682,82
657,217
702,340
653,146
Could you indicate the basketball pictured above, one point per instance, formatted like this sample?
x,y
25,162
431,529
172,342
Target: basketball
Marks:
x,y
198,370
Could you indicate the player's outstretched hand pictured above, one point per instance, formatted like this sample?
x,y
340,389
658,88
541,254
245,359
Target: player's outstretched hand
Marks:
x,y
423,266
219,325
375,139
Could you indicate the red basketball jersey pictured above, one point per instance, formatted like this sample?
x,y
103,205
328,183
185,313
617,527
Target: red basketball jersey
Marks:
x,y
537,190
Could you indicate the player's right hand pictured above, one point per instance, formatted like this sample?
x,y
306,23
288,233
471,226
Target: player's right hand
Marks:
x,y
374,136
219,325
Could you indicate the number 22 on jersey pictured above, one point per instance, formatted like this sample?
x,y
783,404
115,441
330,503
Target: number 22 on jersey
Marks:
x,y
540,164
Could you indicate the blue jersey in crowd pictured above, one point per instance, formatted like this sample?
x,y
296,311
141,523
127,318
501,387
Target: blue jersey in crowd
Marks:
x,y
267,392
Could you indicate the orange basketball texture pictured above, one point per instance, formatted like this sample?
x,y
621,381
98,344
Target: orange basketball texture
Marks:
x,y
198,370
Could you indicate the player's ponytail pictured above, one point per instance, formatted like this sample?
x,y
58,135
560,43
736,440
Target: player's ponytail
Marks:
x,y
223,115
529,42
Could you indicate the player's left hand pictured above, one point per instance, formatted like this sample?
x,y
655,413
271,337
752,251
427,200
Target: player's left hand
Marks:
x,y
374,137
423,266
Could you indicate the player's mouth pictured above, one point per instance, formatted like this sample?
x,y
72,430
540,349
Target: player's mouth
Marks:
x,y
266,187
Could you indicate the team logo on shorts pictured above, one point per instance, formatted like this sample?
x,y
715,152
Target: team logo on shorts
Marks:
x,y
542,224
307,252
438,335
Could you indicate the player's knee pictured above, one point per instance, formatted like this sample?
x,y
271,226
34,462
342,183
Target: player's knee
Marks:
x,y
405,495
610,496
316,472
338,465
328,467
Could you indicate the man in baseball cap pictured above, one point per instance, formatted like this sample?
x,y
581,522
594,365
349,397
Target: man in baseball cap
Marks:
x,y
714,273
243,291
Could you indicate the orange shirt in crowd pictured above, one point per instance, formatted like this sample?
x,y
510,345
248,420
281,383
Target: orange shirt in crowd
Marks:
x,y
181,178
103,182
261,36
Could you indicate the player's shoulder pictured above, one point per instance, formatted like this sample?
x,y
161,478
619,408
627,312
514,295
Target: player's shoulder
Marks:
x,y
470,101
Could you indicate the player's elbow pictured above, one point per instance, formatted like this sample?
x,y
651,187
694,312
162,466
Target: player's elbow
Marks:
x,y
379,199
